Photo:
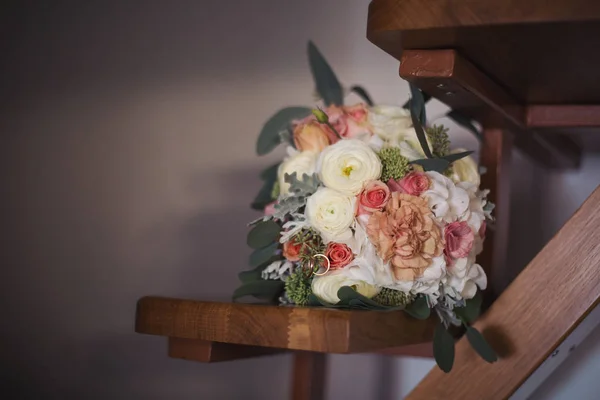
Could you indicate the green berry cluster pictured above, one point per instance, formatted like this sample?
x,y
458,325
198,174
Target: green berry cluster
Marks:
x,y
297,287
393,298
438,137
394,165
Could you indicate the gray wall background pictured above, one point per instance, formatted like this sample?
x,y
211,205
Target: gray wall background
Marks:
x,y
127,165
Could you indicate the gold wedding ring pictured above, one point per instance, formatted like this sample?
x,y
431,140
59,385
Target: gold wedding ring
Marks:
x,y
328,264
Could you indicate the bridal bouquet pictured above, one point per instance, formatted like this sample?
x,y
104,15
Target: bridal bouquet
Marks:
x,y
370,209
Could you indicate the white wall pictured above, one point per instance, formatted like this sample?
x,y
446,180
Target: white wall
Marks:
x,y
127,157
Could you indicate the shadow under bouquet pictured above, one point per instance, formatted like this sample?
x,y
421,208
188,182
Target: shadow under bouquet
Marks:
x,y
371,209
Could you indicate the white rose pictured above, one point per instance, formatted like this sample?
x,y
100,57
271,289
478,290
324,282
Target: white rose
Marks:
x,y
326,287
394,125
474,215
465,169
331,213
448,201
347,165
301,162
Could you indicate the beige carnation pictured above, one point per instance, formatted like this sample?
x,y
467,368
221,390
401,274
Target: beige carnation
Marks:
x,y
405,234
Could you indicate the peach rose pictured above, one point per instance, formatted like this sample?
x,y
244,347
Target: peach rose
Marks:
x,y
339,255
405,234
414,183
311,136
373,198
292,250
459,240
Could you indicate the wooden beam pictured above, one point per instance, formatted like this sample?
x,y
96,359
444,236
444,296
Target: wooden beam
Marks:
x,y
543,305
309,376
447,76
563,116
414,350
210,352
495,156
386,15
297,328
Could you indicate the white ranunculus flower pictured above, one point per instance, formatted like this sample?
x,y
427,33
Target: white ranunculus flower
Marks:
x,y
304,162
347,165
394,126
448,201
326,287
331,213
465,169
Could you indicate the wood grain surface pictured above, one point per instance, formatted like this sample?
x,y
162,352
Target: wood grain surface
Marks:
x,y
452,79
210,352
431,14
531,317
540,51
297,328
559,116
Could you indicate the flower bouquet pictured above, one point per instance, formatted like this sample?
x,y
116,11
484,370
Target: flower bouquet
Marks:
x,y
370,209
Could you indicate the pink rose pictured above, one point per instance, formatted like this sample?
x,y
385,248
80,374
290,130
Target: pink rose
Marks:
x,y
291,250
482,229
373,197
414,183
349,122
459,239
358,113
339,255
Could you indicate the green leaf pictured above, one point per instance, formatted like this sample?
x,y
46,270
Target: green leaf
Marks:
x,y
262,289
263,255
362,93
419,308
433,164
443,348
349,296
426,98
269,136
270,173
465,122
480,345
263,234
470,312
263,197
457,156
417,103
417,115
326,82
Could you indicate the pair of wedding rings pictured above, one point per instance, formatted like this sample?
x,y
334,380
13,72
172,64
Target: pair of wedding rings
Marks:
x,y
311,265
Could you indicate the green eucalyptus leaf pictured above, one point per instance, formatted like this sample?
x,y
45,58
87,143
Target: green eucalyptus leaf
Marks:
x,y
417,104
470,312
480,345
347,295
362,93
433,164
426,98
270,173
419,308
263,234
326,82
269,136
260,256
457,156
263,197
465,122
443,348
254,274
262,289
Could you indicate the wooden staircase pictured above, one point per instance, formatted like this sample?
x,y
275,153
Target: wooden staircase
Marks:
x,y
484,59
